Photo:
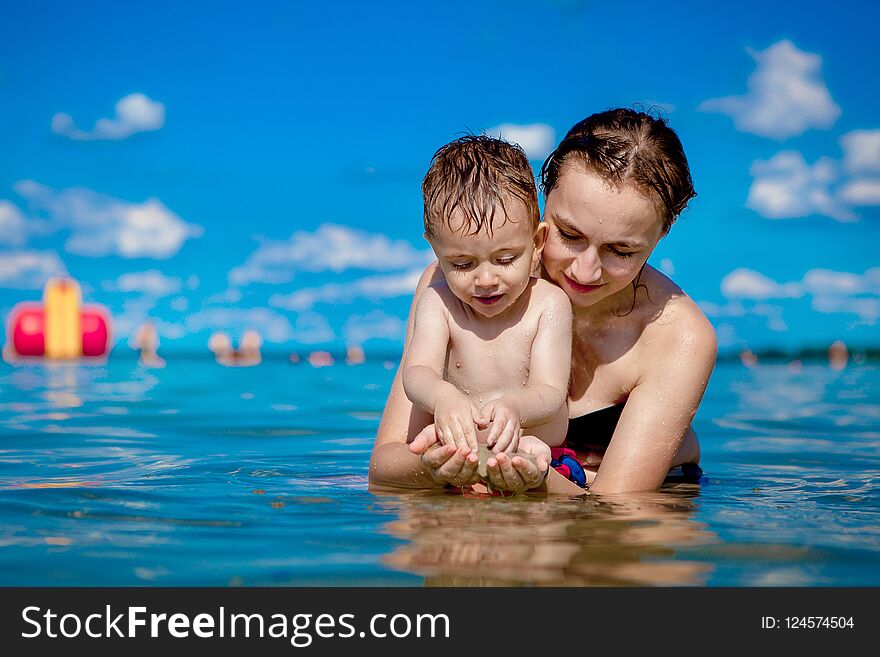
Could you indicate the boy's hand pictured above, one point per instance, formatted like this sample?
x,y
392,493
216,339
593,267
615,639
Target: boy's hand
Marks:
x,y
456,419
506,428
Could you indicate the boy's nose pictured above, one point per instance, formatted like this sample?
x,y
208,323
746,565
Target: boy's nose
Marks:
x,y
486,277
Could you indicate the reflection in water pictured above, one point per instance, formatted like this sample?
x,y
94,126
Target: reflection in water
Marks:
x,y
614,540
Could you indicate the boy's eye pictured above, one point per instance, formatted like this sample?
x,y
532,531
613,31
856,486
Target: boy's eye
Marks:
x,y
504,262
461,266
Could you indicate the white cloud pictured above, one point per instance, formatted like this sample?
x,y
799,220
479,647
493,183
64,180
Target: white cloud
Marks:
x,y
29,270
726,335
134,113
536,139
12,225
135,312
861,151
229,295
272,326
871,280
826,281
785,187
861,192
732,309
867,308
830,292
312,328
330,248
786,95
374,325
748,284
371,287
179,304
102,225
151,282
773,314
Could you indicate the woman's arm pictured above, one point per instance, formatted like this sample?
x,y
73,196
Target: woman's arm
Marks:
x,y
661,407
391,463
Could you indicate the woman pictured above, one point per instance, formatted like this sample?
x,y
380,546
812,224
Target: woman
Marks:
x,y
642,350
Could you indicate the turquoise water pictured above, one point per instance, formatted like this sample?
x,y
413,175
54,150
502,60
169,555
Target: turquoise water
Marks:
x,y
196,474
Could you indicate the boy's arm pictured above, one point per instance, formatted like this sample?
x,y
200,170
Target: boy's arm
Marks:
x,y
423,382
549,369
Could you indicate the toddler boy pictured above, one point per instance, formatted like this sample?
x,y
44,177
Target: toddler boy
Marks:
x,y
490,352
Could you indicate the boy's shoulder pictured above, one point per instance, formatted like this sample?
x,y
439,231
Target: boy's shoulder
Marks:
x,y
437,294
549,294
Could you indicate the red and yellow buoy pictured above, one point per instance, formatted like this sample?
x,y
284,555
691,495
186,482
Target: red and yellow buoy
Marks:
x,y
60,328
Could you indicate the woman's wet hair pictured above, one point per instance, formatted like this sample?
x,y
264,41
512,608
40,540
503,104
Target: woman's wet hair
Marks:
x,y
476,174
627,147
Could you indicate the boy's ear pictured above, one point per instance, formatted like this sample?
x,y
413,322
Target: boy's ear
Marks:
x,y
540,237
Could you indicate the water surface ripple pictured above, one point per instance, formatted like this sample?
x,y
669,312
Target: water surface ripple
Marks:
x,y
196,474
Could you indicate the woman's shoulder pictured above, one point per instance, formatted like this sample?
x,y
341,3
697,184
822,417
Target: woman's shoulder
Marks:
x,y
672,318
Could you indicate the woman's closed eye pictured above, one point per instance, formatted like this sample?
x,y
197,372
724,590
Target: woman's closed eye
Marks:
x,y
568,237
621,254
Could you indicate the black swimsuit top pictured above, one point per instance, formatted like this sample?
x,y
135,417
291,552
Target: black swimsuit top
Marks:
x,y
593,431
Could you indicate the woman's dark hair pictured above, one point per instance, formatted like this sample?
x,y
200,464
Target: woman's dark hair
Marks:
x,y
627,147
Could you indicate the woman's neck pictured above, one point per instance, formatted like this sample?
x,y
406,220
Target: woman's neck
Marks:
x,y
607,311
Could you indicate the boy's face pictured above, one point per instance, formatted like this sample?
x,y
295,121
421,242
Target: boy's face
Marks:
x,y
489,273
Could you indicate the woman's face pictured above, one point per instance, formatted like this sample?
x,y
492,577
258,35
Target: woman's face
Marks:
x,y
599,236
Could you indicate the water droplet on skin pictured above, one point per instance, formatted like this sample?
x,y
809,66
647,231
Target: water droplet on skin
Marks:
x,y
457,365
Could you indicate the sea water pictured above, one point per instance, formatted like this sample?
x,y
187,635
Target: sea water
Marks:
x,y
199,474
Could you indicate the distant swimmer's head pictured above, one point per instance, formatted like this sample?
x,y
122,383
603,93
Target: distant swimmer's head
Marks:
x,y
220,344
482,220
250,342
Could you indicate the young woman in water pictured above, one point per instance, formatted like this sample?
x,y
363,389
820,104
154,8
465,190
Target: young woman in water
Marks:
x,y
642,350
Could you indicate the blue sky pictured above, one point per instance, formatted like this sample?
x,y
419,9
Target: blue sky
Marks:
x,y
258,164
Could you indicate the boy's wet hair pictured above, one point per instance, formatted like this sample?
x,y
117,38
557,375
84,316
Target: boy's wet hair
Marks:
x,y
476,175
627,147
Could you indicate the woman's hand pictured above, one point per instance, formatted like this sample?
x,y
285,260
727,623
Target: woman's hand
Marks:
x,y
445,464
516,473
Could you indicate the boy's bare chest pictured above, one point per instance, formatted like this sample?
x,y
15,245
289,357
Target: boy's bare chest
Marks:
x,y
487,362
